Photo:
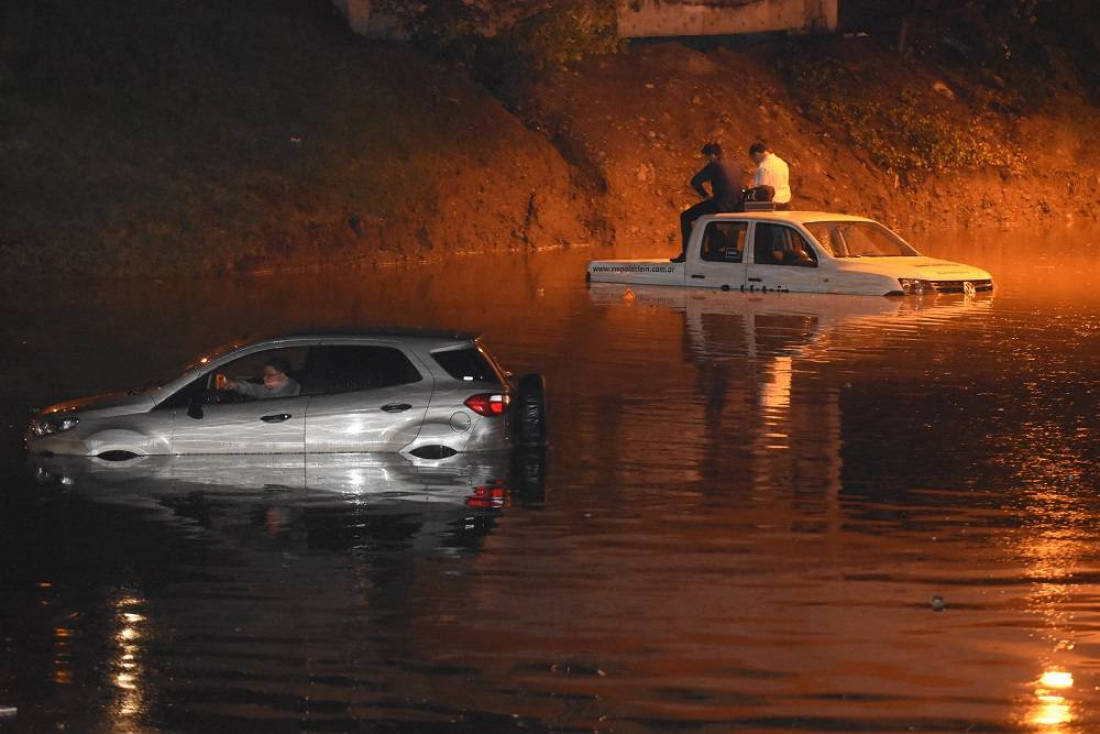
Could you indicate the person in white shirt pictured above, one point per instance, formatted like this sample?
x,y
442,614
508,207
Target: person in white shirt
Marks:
x,y
771,170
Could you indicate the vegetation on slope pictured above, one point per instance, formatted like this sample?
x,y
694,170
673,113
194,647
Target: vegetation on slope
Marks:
x,y
196,135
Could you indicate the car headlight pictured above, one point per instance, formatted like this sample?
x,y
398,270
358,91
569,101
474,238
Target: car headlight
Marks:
x,y
48,425
916,286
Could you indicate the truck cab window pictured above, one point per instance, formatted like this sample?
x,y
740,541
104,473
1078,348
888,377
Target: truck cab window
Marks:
x,y
724,242
777,244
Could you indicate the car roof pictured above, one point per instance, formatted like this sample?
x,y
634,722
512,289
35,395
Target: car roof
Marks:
x,y
794,217
430,338
379,331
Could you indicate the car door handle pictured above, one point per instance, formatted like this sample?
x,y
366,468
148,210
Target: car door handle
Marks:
x,y
700,277
396,407
275,418
756,280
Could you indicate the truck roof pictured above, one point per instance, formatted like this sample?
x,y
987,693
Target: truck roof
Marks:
x,y
797,217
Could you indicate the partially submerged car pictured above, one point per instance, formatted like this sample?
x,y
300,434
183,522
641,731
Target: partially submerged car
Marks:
x,y
428,394
808,252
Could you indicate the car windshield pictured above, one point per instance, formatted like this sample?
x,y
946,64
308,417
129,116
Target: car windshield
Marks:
x,y
859,239
192,365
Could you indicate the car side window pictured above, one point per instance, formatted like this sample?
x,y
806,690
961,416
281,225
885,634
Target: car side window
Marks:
x,y
248,370
351,368
777,244
467,364
724,242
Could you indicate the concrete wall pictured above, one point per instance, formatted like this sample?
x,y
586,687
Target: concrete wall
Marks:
x,y
654,18
650,18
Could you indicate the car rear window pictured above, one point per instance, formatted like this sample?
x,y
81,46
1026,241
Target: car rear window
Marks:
x,y
468,365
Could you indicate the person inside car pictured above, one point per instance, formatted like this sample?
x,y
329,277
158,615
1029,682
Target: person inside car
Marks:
x,y
797,255
277,382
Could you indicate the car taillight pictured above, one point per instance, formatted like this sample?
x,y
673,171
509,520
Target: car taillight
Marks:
x,y
488,404
493,495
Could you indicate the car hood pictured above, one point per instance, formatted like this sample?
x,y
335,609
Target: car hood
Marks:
x,y
924,268
105,405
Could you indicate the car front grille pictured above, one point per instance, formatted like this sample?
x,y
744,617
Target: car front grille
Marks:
x,y
959,286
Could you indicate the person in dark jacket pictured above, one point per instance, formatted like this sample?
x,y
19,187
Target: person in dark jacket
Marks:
x,y
726,181
277,382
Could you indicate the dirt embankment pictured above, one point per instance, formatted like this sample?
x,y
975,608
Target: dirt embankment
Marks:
x,y
195,137
182,138
635,122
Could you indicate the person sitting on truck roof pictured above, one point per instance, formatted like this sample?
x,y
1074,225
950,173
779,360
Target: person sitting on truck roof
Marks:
x,y
726,180
771,170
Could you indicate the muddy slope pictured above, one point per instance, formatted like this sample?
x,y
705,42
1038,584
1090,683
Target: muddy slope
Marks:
x,y
184,137
634,123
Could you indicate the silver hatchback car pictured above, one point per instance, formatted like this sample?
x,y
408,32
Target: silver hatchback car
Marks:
x,y
428,394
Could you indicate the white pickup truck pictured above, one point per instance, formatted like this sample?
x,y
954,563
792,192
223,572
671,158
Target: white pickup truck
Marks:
x,y
807,252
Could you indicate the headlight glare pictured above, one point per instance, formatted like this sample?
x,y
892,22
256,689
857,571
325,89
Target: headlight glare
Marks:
x,y
48,425
915,286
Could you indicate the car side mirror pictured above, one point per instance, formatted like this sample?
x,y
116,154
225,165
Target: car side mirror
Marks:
x,y
194,408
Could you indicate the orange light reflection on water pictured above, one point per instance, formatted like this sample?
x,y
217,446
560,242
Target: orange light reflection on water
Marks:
x,y
1052,710
128,672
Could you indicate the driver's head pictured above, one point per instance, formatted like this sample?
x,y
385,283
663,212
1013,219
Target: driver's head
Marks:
x,y
275,373
758,152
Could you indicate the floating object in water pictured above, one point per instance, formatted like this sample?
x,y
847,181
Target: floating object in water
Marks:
x,y
7,712
938,604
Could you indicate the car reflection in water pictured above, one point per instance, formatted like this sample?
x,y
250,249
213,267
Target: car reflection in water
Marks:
x,y
314,561
334,501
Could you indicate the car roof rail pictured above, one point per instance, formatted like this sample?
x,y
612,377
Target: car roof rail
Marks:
x,y
396,331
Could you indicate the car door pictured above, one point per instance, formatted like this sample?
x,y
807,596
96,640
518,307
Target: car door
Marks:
x,y
370,396
782,260
205,421
720,262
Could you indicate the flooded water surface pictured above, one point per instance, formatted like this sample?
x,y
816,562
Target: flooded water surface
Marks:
x,y
757,513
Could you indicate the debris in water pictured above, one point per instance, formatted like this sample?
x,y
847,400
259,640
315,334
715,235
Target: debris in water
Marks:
x,y
8,711
938,604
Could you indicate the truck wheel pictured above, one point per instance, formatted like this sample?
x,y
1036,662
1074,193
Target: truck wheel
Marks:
x,y
530,411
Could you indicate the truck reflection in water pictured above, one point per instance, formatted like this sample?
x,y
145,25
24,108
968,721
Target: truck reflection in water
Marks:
x,y
764,405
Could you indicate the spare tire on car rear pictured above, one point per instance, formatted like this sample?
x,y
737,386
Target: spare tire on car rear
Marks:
x,y
529,411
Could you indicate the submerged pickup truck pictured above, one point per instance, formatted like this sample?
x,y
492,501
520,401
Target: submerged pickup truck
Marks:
x,y
807,252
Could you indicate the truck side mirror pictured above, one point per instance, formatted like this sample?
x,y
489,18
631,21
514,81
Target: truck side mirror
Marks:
x,y
194,408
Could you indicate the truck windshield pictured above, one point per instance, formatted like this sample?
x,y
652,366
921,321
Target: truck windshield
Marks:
x,y
859,239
